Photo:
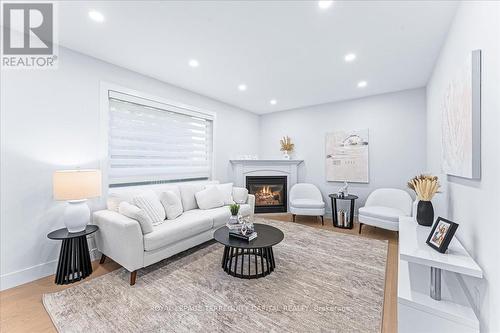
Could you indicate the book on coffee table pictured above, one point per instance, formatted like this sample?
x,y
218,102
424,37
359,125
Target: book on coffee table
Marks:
x,y
239,235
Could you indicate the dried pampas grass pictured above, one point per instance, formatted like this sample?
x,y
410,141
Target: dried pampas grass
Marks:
x,y
425,186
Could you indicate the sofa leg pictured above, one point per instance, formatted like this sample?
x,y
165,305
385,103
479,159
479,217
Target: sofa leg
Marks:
x,y
322,220
103,258
133,275
360,225
293,217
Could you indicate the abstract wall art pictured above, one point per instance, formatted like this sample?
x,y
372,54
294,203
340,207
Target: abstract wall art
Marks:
x,y
347,156
461,122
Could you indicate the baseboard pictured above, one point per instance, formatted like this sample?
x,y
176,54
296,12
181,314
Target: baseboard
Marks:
x,y
26,275
30,274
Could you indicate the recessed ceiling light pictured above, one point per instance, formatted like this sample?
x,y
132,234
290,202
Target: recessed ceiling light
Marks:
x,y
242,87
273,102
362,84
324,4
194,63
96,16
350,57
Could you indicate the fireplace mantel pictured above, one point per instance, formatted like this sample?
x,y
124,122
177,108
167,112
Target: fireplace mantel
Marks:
x,y
244,168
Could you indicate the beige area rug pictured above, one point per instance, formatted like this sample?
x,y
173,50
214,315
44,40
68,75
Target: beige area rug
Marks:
x,y
323,282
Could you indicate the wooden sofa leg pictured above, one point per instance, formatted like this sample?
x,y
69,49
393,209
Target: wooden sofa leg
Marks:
x,y
360,225
103,258
322,220
133,275
293,217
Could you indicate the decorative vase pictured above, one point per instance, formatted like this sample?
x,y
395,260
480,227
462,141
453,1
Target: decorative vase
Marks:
x,y
286,156
425,213
233,219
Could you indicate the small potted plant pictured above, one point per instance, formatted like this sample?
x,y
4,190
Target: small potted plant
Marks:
x,y
286,147
234,208
425,186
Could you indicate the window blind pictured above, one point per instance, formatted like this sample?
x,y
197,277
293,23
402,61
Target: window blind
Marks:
x,y
151,142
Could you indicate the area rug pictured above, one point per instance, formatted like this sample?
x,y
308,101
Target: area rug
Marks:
x,y
323,282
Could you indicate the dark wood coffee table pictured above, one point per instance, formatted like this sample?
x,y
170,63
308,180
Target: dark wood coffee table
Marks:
x,y
249,259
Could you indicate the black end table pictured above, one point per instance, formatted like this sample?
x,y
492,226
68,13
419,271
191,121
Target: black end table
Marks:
x,y
334,198
74,258
257,252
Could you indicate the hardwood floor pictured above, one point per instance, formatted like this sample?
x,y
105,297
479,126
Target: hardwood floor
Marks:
x,y
21,308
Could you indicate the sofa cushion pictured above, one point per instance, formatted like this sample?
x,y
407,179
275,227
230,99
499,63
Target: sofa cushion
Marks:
x,y
172,204
240,195
148,201
226,191
137,214
383,213
307,203
209,198
187,225
187,195
219,215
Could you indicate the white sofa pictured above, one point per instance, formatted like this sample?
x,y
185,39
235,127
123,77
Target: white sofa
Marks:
x,y
121,238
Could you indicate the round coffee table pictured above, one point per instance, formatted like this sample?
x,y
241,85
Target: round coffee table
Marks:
x,y
249,259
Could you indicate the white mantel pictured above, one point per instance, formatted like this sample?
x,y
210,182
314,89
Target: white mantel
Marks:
x,y
243,168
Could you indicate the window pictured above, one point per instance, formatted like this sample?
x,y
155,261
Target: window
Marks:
x,y
151,142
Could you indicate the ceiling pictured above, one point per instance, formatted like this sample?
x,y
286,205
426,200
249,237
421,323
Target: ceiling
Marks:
x,y
290,51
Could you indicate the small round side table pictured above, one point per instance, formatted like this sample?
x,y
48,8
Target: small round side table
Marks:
x,y
334,198
74,258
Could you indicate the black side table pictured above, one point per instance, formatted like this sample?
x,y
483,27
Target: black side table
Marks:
x,y
74,257
334,198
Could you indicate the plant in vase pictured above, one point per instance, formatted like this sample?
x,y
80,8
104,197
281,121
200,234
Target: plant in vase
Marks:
x,y
286,147
234,208
425,186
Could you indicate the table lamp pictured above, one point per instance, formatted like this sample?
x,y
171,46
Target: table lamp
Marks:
x,y
75,187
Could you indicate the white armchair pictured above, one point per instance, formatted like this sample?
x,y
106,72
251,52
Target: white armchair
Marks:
x,y
306,199
384,207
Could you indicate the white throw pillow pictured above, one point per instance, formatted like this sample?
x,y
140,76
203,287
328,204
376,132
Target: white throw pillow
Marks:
x,y
187,195
209,198
151,205
137,214
240,195
172,204
226,191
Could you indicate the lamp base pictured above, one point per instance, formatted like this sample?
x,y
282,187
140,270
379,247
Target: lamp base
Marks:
x,y
76,215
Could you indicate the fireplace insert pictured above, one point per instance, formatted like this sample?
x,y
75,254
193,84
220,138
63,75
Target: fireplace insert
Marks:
x,y
270,193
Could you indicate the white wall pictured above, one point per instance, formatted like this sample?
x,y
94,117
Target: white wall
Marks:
x,y
396,123
49,121
474,204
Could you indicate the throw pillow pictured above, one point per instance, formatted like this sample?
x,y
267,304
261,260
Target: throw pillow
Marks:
x,y
209,198
172,204
226,190
137,214
240,195
187,195
151,205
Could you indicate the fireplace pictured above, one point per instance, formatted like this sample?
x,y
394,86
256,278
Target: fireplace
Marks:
x,y
270,193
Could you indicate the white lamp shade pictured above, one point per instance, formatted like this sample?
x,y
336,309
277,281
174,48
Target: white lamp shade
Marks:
x,y
77,184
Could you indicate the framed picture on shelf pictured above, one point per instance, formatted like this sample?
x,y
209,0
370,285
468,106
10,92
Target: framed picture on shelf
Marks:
x,y
441,234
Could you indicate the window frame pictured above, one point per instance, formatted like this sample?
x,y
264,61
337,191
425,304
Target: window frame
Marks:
x,y
107,88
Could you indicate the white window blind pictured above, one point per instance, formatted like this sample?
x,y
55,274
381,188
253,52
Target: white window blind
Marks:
x,y
151,142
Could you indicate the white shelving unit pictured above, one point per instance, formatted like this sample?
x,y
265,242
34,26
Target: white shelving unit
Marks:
x,y
417,311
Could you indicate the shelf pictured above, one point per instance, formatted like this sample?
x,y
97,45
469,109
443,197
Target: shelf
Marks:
x,y
413,248
413,291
